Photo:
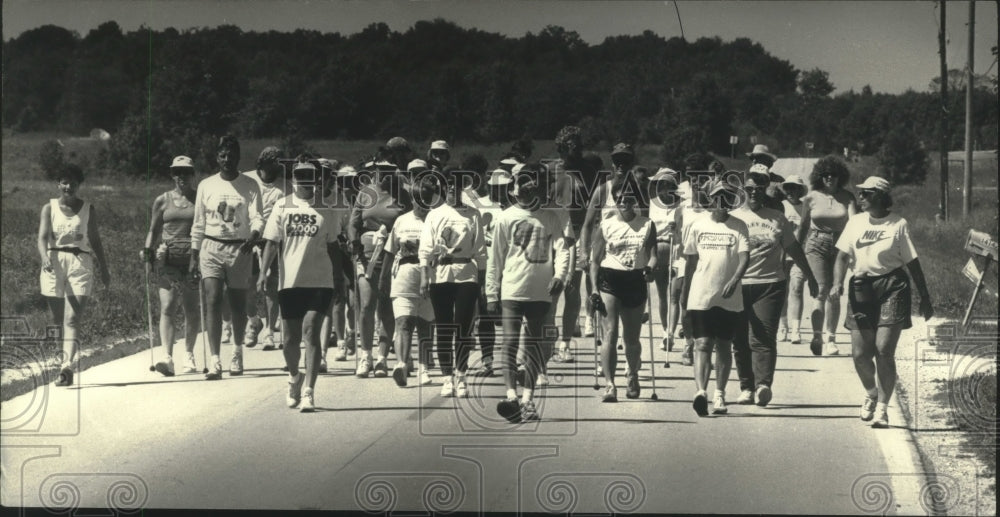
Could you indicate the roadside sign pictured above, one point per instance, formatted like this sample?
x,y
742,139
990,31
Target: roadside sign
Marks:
x,y
971,271
980,243
733,140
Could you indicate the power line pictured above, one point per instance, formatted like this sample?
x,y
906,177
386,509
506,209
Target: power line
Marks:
x,y
679,22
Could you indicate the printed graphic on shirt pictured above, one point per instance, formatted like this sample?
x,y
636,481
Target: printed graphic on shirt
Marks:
x,y
536,246
871,237
488,225
301,225
452,236
226,210
762,236
716,241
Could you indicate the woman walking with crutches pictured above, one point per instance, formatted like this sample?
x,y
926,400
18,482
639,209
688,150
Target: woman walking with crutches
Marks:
x,y
623,262
664,209
170,226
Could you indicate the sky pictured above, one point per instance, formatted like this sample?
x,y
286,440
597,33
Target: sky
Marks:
x,y
891,46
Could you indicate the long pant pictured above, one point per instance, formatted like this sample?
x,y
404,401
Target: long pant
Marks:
x,y
454,308
486,325
755,343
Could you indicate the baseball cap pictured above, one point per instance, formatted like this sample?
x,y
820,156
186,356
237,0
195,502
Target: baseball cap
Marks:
x,y
182,162
347,171
875,183
759,168
417,165
440,145
622,148
793,179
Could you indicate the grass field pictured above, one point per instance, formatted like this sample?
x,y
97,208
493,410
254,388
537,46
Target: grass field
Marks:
x,y
123,205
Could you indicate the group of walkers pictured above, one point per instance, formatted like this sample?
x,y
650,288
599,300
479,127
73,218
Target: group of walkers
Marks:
x,y
451,252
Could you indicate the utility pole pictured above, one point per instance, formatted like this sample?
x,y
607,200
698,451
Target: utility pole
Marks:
x,y
970,77
943,205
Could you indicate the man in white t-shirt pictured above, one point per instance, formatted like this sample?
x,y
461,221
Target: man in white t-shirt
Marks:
x,y
309,276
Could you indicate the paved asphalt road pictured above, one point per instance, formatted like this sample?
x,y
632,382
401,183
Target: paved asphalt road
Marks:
x,y
125,437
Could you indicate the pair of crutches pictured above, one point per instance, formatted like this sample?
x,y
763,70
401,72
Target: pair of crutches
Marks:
x,y
597,306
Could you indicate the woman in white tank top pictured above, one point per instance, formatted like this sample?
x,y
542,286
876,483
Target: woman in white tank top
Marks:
x,y
69,244
624,257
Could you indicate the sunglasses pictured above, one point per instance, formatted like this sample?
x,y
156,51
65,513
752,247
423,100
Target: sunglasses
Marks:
x,y
866,193
828,175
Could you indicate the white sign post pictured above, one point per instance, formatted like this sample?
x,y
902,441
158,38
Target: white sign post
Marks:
x,y
978,243
733,140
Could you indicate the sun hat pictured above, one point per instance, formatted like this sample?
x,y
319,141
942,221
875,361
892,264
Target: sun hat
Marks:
x,y
762,150
440,145
500,177
622,148
182,162
384,165
793,179
875,183
759,168
417,165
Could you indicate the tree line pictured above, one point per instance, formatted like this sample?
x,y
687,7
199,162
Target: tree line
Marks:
x,y
170,89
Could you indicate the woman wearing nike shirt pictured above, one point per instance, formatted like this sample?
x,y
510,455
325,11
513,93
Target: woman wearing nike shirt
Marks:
x,y
307,234
764,286
717,251
451,246
825,211
878,243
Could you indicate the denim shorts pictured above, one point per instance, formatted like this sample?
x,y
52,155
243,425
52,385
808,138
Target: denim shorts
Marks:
x,y
821,253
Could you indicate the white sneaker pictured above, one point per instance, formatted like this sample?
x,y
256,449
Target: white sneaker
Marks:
x,y
307,406
543,380
782,335
295,390
881,420
364,367
448,388
746,398
588,327
189,366
719,404
461,390
236,365
425,378
227,332
831,348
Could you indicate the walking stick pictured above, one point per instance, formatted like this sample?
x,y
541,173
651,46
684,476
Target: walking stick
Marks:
x,y
670,303
204,335
597,345
149,317
652,362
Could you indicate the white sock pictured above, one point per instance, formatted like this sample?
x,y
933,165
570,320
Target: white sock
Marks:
x,y
511,394
237,349
216,359
526,394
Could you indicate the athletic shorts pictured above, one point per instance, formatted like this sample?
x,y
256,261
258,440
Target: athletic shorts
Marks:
x,y
419,307
528,310
821,254
71,275
295,302
879,301
663,258
716,323
224,261
628,286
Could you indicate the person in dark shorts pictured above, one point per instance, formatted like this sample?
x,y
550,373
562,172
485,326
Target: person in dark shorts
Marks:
x,y
307,233
878,243
623,260
717,251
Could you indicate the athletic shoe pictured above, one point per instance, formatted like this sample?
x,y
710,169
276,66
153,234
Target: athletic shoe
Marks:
x,y
881,420
686,357
364,368
610,394
782,334
485,371
215,373
268,342
868,409
399,375
189,366
448,388
816,345
236,364
295,390
519,375
588,327
797,340
719,404
381,370
425,378
307,405
763,395
461,390
227,332
341,354
831,348
166,368
323,368
700,403
528,411
632,389
65,377
746,398
510,410
254,326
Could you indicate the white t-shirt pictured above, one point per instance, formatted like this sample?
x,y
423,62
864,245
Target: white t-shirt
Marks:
x,y
877,246
226,209
623,242
304,232
455,233
665,220
521,262
270,193
717,245
769,233
404,242
793,212
686,214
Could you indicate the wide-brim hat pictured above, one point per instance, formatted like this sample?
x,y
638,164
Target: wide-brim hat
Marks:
x,y
762,150
793,180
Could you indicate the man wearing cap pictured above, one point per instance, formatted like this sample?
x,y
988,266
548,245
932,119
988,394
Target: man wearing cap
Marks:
x,y
309,275
438,155
761,156
270,177
227,224
522,276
